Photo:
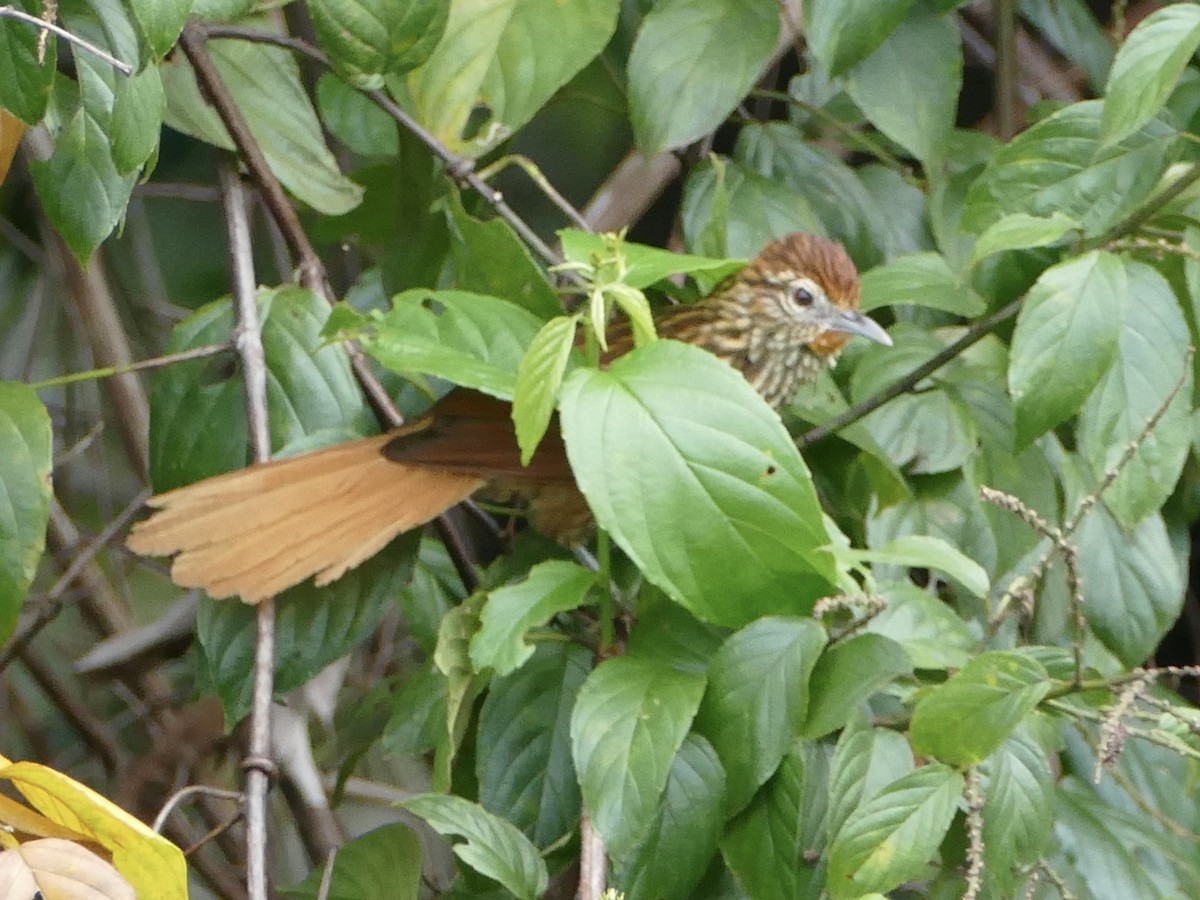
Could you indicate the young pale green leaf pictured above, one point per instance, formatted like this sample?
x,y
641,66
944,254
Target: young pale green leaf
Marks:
x,y
908,87
160,22
629,721
136,119
463,684
494,847
698,482
644,265
920,551
930,632
82,192
767,847
354,120
672,857
265,84
368,39
756,700
539,377
1018,231
847,674
1018,812
1059,165
842,33
890,838
1152,359
1132,580
25,461
692,62
383,864
865,761
509,612
510,56
920,279
25,82
470,339
523,746
1066,338
1147,69
963,720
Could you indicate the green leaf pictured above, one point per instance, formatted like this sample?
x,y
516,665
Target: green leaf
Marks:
x,y
1019,231
509,612
671,859
865,761
265,84
767,847
920,279
644,265
1132,581
136,119
418,715
928,630
668,633
889,839
1058,165
1018,812
698,482
160,22
692,63
1147,69
629,721
494,848
523,747
847,674
383,864
25,83
508,55
1066,338
757,698
919,551
909,86
963,720
463,684
355,120
470,339
197,409
539,378
842,33
1152,358
367,39
82,192
1073,31
25,463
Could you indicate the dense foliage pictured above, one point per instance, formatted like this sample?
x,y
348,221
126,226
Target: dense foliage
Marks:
x,y
891,640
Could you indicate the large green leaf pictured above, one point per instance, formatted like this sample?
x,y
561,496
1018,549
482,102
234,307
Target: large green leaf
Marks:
x,y
509,55
1018,231
25,461
629,721
891,837
669,861
358,123
523,746
1059,165
160,22
383,864
1065,340
842,33
909,86
25,82
846,675
1071,28
493,847
1147,68
265,84
136,119
1018,812
757,698
692,63
1152,358
696,479
865,761
368,39
930,632
920,279
963,720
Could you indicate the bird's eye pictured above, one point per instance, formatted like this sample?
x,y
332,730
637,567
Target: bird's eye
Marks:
x,y
802,296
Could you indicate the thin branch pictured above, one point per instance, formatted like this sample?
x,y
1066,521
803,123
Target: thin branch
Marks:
x,y
190,791
156,362
9,12
530,168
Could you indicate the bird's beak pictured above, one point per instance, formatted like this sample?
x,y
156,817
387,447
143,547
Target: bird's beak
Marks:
x,y
851,321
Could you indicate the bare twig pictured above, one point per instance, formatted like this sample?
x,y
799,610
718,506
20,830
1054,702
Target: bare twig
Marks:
x,y
190,791
156,362
592,865
9,12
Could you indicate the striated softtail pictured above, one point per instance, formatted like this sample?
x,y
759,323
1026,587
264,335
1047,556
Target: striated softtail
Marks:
x,y
262,529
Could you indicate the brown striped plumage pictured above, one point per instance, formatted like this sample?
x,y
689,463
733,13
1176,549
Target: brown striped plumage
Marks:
x,y
262,529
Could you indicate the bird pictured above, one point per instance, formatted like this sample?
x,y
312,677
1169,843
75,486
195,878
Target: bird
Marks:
x,y
259,530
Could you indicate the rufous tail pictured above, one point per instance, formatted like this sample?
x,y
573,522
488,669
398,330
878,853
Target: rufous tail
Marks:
x,y
262,529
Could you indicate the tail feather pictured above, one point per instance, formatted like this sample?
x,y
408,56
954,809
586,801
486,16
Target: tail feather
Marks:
x,y
261,530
